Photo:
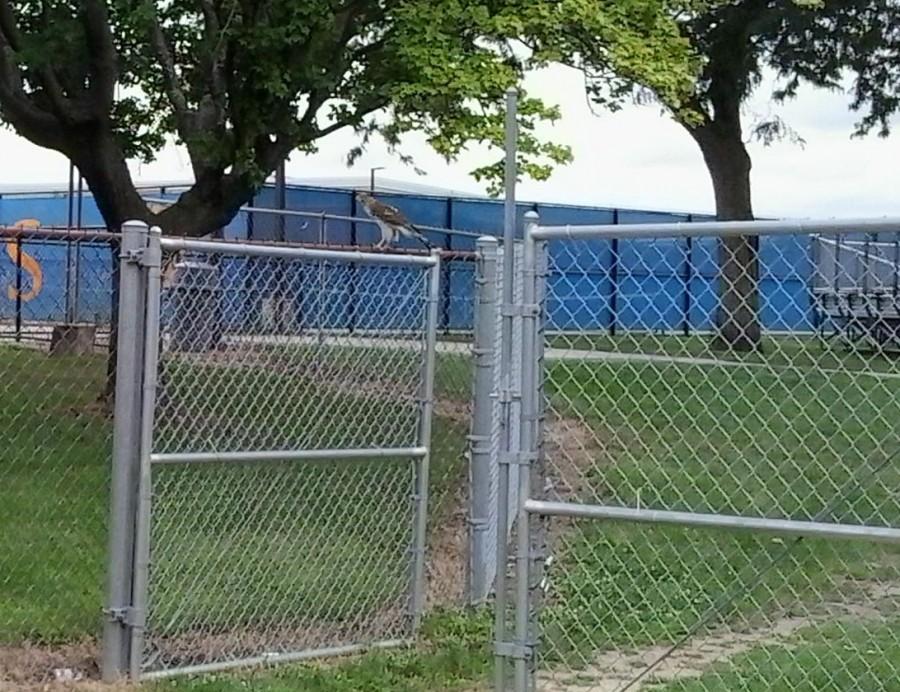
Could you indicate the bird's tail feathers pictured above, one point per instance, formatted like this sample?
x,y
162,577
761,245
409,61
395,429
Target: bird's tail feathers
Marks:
x,y
421,238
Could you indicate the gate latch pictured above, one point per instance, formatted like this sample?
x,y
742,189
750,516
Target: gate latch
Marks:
x,y
130,617
516,651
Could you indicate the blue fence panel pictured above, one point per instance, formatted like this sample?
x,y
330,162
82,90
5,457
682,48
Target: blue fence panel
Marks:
x,y
704,303
598,284
390,298
581,301
94,288
650,302
587,263
652,276
44,283
50,209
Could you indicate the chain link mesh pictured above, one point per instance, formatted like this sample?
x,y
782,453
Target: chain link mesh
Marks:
x,y
56,300
733,377
255,559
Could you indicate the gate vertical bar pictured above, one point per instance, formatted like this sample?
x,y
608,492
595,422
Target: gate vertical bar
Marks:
x,y
529,413
420,530
18,288
506,330
153,262
126,450
481,434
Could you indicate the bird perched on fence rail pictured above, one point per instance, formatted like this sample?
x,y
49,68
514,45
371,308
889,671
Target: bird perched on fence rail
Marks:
x,y
391,221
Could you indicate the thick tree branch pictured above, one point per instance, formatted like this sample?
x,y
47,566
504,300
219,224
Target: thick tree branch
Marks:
x,y
8,26
174,91
217,42
103,58
33,122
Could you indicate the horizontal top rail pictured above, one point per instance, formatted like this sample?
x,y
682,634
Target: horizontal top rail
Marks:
x,y
716,228
812,529
320,215
294,253
83,234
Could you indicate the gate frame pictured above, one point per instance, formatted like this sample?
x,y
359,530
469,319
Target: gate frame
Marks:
x,y
128,558
520,651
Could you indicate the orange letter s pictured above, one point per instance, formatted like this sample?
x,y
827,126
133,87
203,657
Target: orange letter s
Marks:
x,y
28,263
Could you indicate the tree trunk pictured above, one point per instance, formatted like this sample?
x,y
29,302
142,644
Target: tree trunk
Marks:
x,y
737,319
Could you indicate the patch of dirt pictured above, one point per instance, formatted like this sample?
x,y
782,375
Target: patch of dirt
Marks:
x,y
32,666
611,671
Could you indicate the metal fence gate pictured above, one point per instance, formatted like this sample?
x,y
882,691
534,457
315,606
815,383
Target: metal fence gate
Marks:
x,y
694,514
271,468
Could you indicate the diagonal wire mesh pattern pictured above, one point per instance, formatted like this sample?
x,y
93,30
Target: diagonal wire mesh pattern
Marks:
x,y
754,377
56,302
253,560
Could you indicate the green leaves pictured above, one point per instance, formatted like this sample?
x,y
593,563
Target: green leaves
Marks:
x,y
242,84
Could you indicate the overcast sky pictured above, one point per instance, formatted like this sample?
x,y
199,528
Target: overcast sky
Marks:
x,y
634,158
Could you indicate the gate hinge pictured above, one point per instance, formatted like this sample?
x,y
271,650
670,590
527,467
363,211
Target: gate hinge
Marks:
x,y
518,458
520,310
479,524
142,257
133,256
507,395
130,617
521,652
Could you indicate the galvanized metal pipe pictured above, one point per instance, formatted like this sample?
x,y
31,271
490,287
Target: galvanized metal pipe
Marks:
x,y
251,456
506,331
717,229
152,263
125,454
481,431
422,467
790,527
295,253
527,447
270,659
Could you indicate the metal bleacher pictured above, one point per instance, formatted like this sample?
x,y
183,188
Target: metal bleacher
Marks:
x,y
855,289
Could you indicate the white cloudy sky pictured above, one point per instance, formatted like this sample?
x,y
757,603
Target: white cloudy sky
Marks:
x,y
634,158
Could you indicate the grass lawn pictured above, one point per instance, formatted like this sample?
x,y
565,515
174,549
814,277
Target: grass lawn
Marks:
x,y
798,350
832,658
454,651
54,452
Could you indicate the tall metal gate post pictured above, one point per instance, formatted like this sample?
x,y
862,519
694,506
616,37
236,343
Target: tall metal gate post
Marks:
x,y
420,529
126,451
506,354
153,263
528,454
480,477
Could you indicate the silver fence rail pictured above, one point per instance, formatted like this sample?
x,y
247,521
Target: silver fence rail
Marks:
x,y
282,465
705,512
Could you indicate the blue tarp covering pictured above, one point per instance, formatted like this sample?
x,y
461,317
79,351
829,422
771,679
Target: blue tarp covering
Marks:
x,y
594,285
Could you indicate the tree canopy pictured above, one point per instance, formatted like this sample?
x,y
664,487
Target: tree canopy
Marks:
x,y
833,44
243,83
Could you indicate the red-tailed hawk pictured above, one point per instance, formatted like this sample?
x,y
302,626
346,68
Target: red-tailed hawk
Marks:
x,y
391,221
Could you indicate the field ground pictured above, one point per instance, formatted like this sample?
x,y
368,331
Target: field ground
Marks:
x,y
789,439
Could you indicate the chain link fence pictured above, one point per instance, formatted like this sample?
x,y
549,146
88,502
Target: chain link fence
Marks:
x,y
56,366
449,492
718,510
281,460
348,333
